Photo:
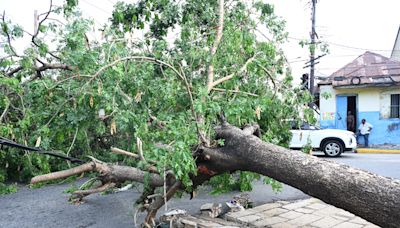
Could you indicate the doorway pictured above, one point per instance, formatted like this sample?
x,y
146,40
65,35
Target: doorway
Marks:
x,y
352,107
344,105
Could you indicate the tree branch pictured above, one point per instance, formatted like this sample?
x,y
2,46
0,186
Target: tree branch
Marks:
x,y
47,66
5,111
218,36
159,202
65,173
139,146
40,23
8,35
200,133
130,154
181,75
145,58
15,70
234,91
270,77
108,173
226,78
44,67
124,152
79,194
36,32
72,144
151,168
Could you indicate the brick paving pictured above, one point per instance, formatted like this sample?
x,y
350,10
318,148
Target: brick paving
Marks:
x,y
309,213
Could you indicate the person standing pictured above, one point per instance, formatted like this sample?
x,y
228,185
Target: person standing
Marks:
x,y
350,122
364,129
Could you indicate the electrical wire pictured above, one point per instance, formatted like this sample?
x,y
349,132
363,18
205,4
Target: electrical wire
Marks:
x,y
345,46
101,9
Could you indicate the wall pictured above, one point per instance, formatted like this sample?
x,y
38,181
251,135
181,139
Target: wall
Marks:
x,y
327,106
385,101
384,130
373,104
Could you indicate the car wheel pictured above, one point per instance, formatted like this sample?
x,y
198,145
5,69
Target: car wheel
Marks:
x,y
333,148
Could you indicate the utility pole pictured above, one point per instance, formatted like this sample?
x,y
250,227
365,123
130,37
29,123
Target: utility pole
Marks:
x,y
35,22
312,47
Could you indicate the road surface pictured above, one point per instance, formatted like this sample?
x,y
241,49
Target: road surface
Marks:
x,y
48,206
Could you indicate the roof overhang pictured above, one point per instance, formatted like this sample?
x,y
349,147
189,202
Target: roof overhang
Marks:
x,y
367,85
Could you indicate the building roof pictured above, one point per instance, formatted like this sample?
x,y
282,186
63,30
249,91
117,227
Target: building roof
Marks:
x,y
396,47
368,69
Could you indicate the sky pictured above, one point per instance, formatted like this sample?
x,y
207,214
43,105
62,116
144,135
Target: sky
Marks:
x,y
350,27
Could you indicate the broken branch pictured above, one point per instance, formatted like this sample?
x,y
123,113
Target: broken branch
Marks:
x,y
65,173
252,130
124,152
79,194
139,145
108,173
130,154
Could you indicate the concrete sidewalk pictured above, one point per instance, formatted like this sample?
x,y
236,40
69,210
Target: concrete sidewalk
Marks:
x,y
377,151
303,213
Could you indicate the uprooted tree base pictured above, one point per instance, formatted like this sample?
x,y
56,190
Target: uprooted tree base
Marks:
x,y
367,195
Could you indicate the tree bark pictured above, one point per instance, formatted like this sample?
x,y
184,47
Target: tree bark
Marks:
x,y
108,173
370,196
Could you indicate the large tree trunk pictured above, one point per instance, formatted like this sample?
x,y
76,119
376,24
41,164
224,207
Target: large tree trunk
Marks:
x,y
370,196
373,197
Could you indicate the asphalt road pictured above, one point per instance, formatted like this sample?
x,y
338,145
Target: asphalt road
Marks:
x,y
48,206
383,164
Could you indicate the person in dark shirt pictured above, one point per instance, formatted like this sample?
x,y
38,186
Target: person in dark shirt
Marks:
x,y
350,120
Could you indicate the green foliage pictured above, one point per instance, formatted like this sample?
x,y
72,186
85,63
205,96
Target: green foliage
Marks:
x,y
307,149
275,185
240,181
59,109
7,189
71,189
326,95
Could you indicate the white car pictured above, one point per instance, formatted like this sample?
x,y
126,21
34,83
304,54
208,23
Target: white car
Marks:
x,y
332,142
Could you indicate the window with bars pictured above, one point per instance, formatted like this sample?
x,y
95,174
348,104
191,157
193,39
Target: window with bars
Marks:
x,y
395,106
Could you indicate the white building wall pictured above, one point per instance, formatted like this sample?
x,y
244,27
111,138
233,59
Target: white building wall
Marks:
x,y
368,100
373,104
385,101
327,105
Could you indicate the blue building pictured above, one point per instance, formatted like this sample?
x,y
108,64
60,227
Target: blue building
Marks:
x,y
368,87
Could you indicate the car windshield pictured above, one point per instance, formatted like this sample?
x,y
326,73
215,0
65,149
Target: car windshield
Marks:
x,y
304,126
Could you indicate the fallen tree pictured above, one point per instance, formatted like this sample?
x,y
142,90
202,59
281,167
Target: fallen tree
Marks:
x,y
367,195
84,96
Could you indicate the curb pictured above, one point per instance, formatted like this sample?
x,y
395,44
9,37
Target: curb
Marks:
x,y
377,151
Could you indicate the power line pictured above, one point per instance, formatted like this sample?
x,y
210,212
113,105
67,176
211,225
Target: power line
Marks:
x,y
299,59
112,2
101,9
344,46
357,48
